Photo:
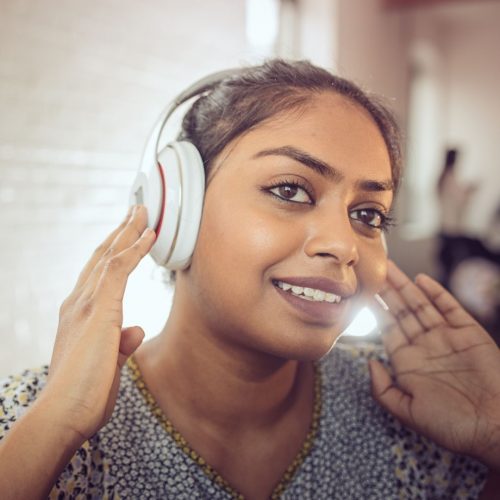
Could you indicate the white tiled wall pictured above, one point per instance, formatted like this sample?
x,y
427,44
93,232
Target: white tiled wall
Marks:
x,y
81,83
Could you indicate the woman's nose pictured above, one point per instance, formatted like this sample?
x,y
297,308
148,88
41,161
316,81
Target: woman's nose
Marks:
x,y
332,235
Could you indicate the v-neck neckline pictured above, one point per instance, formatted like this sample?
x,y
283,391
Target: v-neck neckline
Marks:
x,y
209,471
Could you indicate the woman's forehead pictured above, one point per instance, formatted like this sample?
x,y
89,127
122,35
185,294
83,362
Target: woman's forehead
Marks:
x,y
331,128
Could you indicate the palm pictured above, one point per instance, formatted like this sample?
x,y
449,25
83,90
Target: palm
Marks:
x,y
446,368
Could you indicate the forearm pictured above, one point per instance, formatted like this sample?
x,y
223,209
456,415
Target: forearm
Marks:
x,y
34,453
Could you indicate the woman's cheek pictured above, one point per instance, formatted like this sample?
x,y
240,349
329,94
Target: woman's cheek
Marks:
x,y
235,240
265,236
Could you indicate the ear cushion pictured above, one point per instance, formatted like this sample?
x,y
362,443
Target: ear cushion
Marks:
x,y
172,188
147,190
183,175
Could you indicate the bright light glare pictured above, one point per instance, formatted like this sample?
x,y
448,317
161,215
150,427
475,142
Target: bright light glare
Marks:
x,y
262,23
363,324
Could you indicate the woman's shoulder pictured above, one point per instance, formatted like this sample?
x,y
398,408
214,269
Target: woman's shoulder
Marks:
x,y
418,465
86,474
361,350
346,387
348,360
346,382
17,392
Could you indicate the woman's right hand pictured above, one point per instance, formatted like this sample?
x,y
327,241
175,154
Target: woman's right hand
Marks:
x,y
91,346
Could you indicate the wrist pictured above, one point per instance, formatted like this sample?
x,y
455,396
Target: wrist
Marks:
x,y
58,422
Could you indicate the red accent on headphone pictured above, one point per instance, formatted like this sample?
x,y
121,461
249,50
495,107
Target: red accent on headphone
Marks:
x,y
163,198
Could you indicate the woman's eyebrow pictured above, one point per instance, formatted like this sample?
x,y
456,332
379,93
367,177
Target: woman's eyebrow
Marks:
x,y
369,185
324,168
306,159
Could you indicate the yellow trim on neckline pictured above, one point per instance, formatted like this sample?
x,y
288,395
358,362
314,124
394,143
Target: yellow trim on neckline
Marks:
x,y
206,468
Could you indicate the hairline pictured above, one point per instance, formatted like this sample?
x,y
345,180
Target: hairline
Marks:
x,y
297,107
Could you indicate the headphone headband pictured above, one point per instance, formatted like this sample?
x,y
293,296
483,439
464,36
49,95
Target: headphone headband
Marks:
x,y
199,87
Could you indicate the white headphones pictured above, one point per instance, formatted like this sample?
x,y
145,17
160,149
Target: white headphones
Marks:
x,y
171,184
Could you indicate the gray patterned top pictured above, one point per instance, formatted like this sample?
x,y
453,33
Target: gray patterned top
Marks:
x,y
355,450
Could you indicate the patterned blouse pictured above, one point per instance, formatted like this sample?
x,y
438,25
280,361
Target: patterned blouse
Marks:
x,y
353,450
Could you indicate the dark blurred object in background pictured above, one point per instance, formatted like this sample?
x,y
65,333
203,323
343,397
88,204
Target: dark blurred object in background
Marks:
x,y
469,266
474,278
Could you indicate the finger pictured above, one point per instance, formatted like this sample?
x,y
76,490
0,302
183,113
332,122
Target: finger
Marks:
x,y
113,279
131,339
130,234
449,307
428,316
101,249
393,336
404,316
388,394
113,393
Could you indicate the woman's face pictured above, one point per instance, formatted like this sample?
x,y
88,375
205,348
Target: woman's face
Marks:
x,y
290,240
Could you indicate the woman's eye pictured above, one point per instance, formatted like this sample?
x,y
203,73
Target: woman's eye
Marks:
x,y
370,217
291,192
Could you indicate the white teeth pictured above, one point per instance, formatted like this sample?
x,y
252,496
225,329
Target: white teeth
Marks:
x,y
310,293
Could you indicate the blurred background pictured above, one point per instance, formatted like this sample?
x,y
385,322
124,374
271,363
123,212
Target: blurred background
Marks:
x,y
82,82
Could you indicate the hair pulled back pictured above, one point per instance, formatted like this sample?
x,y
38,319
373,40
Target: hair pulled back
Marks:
x,y
257,93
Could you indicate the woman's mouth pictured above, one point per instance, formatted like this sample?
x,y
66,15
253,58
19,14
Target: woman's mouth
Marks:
x,y
315,304
306,293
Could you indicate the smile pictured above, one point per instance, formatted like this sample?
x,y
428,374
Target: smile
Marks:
x,y
311,294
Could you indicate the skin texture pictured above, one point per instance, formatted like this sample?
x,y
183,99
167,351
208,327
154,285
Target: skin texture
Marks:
x,y
253,237
232,368
236,355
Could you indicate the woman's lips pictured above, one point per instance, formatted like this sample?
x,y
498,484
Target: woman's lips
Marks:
x,y
342,288
321,312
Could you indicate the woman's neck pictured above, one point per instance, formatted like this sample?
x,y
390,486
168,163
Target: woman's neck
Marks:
x,y
190,372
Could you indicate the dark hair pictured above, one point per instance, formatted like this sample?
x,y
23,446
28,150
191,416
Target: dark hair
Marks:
x,y
257,93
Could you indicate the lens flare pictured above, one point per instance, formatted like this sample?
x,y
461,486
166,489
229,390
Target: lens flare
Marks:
x,y
363,324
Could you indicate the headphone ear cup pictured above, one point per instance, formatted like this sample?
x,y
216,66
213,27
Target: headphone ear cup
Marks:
x,y
183,180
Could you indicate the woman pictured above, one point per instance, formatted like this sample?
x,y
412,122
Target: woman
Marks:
x,y
241,394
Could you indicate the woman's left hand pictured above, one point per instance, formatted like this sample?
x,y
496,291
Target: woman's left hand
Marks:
x,y
446,368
